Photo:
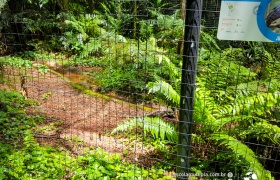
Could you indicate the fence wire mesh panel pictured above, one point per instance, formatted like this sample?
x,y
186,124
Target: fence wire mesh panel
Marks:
x,y
92,90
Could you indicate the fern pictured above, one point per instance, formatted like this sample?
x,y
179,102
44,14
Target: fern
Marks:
x,y
155,126
165,89
171,69
117,17
264,130
86,25
204,107
198,139
257,105
209,41
94,45
168,21
222,70
268,65
203,116
246,89
29,141
221,122
243,151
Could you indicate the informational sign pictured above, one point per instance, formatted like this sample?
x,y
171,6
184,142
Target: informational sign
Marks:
x,y
250,20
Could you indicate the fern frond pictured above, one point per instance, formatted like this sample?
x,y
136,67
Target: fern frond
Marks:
x,y
243,151
209,40
234,119
155,126
78,27
198,139
204,107
264,130
203,116
252,105
165,89
91,47
248,88
171,69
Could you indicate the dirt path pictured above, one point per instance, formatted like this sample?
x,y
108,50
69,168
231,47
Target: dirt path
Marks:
x,y
78,111
84,118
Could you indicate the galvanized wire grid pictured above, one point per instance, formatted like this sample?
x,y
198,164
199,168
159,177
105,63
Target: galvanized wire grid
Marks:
x,y
101,70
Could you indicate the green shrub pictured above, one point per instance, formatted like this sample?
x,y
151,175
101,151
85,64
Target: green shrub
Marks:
x,y
13,119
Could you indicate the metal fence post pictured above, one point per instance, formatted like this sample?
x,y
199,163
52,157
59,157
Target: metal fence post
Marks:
x,y
191,44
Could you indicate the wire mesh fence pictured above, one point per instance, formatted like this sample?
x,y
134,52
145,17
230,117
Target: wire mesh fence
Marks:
x,y
92,90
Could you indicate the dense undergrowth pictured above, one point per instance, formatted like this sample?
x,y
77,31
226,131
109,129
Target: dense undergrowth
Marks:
x,y
237,96
21,157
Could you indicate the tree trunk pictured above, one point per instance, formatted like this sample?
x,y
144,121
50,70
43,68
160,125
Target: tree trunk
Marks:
x,y
183,9
180,47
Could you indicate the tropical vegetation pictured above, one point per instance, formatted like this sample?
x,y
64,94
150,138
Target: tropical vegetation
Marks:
x,y
236,124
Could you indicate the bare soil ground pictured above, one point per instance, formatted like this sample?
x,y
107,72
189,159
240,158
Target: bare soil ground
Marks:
x,y
73,116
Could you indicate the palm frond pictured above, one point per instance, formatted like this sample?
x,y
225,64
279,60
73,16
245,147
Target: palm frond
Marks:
x,y
243,151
